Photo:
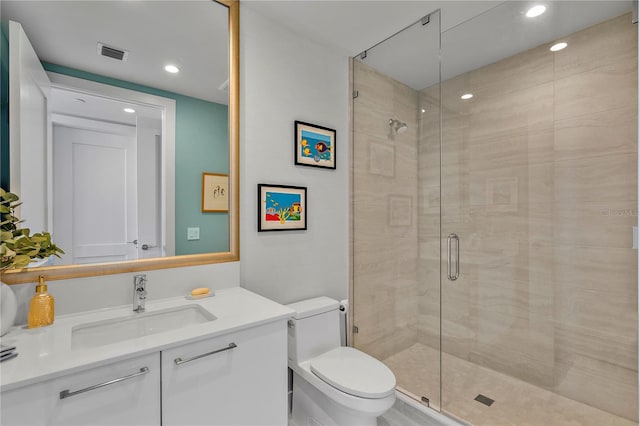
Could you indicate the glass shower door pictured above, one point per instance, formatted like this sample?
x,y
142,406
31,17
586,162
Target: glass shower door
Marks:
x,y
539,196
396,206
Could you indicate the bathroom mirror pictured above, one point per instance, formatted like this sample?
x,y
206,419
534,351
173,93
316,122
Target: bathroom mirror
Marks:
x,y
119,116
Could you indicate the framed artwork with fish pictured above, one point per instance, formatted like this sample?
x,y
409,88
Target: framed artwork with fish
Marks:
x,y
282,208
314,145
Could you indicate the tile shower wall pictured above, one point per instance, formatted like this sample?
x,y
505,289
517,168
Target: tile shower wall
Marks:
x,y
385,187
539,180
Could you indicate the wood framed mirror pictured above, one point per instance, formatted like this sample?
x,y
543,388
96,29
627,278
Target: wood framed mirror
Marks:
x,y
231,252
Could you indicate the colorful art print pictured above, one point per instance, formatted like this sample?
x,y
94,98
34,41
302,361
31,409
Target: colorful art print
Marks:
x,y
314,145
215,192
282,208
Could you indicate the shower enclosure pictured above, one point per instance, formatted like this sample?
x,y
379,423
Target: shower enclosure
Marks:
x,y
494,173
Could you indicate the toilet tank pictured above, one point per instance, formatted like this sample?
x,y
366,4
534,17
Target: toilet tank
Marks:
x,y
314,329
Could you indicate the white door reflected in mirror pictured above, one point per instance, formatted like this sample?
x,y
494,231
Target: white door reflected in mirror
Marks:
x,y
108,170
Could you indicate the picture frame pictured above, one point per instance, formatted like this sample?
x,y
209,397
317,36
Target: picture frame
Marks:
x,y
314,146
215,192
400,210
282,208
382,159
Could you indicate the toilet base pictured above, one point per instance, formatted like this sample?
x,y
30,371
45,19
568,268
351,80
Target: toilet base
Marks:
x,y
312,408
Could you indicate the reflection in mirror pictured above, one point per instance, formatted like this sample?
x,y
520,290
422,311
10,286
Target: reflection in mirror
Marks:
x,y
116,110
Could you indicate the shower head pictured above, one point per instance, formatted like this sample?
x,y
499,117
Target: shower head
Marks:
x,y
398,126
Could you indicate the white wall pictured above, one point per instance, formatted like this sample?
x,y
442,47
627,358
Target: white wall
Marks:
x,y
149,186
286,77
28,93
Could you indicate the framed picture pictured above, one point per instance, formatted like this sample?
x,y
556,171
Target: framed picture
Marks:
x,y
314,146
282,208
215,192
382,159
502,194
400,210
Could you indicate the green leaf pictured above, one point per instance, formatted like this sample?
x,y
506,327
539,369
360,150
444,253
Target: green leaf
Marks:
x,y
10,196
18,247
21,261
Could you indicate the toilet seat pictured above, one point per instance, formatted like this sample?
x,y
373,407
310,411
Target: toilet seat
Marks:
x,y
354,372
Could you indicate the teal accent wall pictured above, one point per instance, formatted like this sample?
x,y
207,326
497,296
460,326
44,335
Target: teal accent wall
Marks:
x,y
202,145
4,105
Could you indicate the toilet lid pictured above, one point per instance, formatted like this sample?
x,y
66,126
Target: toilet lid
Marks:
x,y
354,372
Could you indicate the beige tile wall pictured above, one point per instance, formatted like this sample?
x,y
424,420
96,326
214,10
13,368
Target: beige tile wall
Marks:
x,y
385,237
539,174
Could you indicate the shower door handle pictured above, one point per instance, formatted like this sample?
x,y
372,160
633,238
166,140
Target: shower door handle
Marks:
x,y
453,276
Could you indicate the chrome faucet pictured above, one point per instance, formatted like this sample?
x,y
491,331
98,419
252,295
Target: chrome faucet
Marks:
x,y
139,292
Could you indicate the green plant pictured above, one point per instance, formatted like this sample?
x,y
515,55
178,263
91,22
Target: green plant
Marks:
x,y
17,247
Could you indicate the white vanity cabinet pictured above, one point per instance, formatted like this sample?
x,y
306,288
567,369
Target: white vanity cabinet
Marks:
x,y
238,378
122,393
231,370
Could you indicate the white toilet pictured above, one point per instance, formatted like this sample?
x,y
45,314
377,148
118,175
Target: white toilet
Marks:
x,y
333,384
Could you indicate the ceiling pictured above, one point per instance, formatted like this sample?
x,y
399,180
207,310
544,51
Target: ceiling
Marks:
x,y
192,35
353,26
503,31
474,33
81,104
67,33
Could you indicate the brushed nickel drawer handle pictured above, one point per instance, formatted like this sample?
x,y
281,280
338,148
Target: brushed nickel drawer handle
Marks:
x,y
67,393
179,361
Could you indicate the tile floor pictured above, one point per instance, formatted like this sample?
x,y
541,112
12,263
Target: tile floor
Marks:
x,y
516,402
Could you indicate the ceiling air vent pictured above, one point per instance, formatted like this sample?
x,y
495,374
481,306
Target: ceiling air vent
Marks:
x,y
112,52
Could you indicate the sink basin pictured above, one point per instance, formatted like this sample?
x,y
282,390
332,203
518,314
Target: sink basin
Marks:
x,y
105,332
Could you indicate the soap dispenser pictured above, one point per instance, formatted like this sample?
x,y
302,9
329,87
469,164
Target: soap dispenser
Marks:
x,y
41,309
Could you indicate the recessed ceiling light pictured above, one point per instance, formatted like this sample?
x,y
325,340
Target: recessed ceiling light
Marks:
x,y
129,110
466,96
558,46
172,69
536,10
424,110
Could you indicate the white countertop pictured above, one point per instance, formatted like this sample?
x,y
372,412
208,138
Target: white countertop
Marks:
x,y
45,353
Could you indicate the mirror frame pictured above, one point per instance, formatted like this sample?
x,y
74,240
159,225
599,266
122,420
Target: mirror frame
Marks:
x,y
28,275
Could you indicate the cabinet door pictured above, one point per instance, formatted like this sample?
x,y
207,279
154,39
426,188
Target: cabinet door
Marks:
x,y
234,379
129,395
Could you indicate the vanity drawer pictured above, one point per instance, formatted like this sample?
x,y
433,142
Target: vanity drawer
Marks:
x,y
234,379
122,393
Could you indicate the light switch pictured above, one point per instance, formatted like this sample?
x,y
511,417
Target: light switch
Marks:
x,y
193,234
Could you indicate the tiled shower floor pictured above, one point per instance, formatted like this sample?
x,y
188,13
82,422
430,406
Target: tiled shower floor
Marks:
x,y
516,402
